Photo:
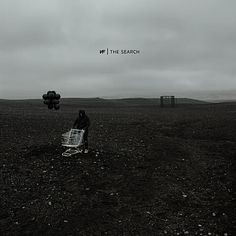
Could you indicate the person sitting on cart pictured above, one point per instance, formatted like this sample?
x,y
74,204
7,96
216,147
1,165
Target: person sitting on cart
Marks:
x,y
83,122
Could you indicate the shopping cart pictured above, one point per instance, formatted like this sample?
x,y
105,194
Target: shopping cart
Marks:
x,y
73,140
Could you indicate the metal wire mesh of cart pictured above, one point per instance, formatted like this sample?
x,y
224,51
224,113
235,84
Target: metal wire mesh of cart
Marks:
x,y
73,138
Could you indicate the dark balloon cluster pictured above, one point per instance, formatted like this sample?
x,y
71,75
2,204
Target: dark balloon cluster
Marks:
x,y
52,100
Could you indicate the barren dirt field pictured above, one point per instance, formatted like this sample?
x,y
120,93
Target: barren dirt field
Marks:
x,y
150,170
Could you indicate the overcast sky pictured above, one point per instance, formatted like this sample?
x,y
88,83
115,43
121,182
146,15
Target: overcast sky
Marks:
x,y
187,48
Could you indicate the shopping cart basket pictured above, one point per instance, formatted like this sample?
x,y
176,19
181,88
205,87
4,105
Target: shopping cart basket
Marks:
x,y
73,140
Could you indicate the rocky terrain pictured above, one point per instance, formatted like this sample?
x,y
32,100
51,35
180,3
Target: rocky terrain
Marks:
x,y
150,170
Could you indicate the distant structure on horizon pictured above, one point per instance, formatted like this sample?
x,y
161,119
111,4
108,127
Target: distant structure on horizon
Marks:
x,y
167,101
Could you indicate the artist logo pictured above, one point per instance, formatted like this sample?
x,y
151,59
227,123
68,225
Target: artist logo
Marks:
x,y
108,51
102,51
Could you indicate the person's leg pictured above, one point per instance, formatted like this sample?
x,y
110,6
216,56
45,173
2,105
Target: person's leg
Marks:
x,y
86,140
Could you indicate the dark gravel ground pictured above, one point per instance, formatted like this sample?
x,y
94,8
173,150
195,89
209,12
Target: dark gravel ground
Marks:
x,y
150,171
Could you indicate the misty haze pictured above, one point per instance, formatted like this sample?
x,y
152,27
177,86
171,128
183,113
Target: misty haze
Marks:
x,y
187,48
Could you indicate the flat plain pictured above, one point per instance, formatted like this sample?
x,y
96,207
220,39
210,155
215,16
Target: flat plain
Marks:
x,y
150,170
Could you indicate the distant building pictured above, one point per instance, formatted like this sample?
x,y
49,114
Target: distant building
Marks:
x,y
167,101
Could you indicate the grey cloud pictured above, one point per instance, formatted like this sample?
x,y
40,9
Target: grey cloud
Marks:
x,y
185,45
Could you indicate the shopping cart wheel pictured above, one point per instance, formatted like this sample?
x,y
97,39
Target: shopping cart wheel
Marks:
x,y
71,152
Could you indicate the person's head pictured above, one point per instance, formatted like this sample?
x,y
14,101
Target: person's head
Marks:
x,y
81,113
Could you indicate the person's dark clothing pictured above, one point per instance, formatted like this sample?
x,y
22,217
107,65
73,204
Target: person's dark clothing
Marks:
x,y
83,122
